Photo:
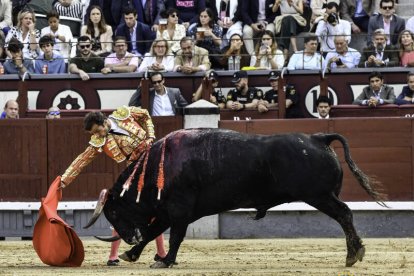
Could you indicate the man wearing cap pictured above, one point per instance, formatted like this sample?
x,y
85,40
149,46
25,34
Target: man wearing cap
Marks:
x,y
243,96
217,96
270,99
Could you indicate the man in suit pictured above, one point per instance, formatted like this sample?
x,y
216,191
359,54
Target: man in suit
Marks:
x,y
379,54
149,12
377,93
163,101
387,20
140,41
191,59
357,12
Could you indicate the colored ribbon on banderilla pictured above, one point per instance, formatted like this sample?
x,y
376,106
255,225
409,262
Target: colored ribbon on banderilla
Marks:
x,y
160,178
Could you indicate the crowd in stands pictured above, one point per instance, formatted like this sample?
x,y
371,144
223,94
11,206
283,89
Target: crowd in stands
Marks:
x,y
119,36
224,34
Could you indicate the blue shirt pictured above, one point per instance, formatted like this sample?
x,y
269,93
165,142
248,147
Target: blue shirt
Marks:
x,y
54,66
11,68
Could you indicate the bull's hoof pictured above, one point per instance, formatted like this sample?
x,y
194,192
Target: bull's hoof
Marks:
x,y
160,264
125,257
358,257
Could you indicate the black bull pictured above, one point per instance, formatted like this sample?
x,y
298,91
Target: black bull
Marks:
x,y
208,171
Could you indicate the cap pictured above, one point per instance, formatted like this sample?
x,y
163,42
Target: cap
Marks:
x,y
239,75
212,75
274,75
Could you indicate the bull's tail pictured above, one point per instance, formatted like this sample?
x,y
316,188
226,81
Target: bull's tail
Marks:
x,y
369,184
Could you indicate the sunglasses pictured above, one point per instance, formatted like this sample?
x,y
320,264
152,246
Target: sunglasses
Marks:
x,y
156,82
54,113
387,8
84,46
173,15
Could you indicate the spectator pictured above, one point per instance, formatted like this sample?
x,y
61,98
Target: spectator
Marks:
x,y
172,32
267,55
379,53
85,61
407,93
61,34
319,10
270,99
188,9
11,110
69,8
343,56
163,101
53,113
236,49
111,11
138,35
308,59
323,106
207,35
357,12
228,15
149,12
121,61
99,32
243,96
26,33
49,62
377,93
387,20
17,64
257,17
217,97
5,17
330,26
289,24
158,59
406,42
190,58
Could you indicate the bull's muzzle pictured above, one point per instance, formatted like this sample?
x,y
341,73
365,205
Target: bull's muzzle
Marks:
x,y
137,238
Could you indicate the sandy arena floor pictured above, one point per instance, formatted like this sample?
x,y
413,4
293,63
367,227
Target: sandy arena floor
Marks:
x,y
228,257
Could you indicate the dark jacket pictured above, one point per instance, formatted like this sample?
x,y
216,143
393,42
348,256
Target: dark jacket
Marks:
x,y
406,91
187,13
144,36
377,22
250,11
156,7
390,57
174,94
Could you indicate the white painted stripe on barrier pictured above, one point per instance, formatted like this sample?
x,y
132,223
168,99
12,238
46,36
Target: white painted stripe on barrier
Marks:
x,y
294,206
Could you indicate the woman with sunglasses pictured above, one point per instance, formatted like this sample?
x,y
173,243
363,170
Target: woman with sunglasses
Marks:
x,y
207,35
173,31
267,55
188,9
99,32
158,59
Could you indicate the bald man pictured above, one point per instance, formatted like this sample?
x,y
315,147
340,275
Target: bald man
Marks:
x,y
11,110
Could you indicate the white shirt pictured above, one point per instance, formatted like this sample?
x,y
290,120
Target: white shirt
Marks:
x,y
326,33
162,105
299,61
261,16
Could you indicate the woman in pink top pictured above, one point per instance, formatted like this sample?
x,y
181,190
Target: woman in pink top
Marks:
x,y
406,41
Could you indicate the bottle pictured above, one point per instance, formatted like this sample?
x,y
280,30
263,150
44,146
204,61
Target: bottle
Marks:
x,y
237,63
45,69
230,64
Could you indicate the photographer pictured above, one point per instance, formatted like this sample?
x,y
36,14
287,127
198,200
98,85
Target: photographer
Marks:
x,y
331,26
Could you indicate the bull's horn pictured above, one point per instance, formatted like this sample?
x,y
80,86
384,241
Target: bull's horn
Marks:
x,y
111,239
98,209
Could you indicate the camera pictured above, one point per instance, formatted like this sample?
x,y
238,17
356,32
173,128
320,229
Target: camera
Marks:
x,y
332,18
339,62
